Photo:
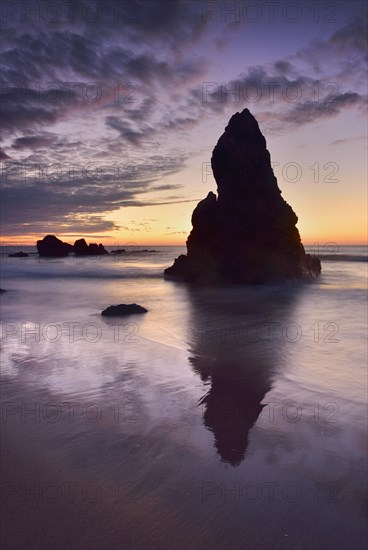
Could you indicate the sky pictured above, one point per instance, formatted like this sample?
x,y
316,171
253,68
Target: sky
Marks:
x,y
111,110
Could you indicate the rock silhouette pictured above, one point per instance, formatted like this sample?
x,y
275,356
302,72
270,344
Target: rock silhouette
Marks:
x,y
20,254
123,309
246,234
81,248
52,247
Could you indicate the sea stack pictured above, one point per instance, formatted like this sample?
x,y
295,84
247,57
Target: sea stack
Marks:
x,y
247,233
52,247
81,248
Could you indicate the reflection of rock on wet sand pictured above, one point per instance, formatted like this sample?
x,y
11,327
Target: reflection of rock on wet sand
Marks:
x,y
230,348
232,407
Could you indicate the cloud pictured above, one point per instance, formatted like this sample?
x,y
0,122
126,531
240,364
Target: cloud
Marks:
x,y
131,81
175,23
135,137
351,38
343,55
3,155
283,66
138,136
348,140
50,72
309,111
67,197
34,142
17,116
330,79
73,225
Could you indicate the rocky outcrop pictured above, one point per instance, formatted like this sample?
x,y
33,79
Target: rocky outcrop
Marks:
x,y
247,233
123,309
20,254
81,248
52,247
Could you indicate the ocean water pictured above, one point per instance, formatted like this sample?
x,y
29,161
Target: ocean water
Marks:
x,y
223,418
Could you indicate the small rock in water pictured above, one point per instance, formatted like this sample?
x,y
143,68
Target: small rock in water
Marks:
x,y
123,309
20,254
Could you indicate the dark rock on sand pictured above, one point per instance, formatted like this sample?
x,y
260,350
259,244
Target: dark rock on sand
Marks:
x,y
81,248
123,309
19,255
118,251
52,247
246,234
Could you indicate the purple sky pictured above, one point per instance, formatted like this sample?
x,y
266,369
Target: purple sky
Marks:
x,y
110,111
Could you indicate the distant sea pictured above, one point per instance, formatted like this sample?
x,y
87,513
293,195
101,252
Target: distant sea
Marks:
x,y
223,418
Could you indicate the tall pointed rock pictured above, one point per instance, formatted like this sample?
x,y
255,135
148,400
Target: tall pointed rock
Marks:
x,y
247,234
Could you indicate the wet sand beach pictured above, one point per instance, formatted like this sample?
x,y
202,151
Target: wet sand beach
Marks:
x,y
232,419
